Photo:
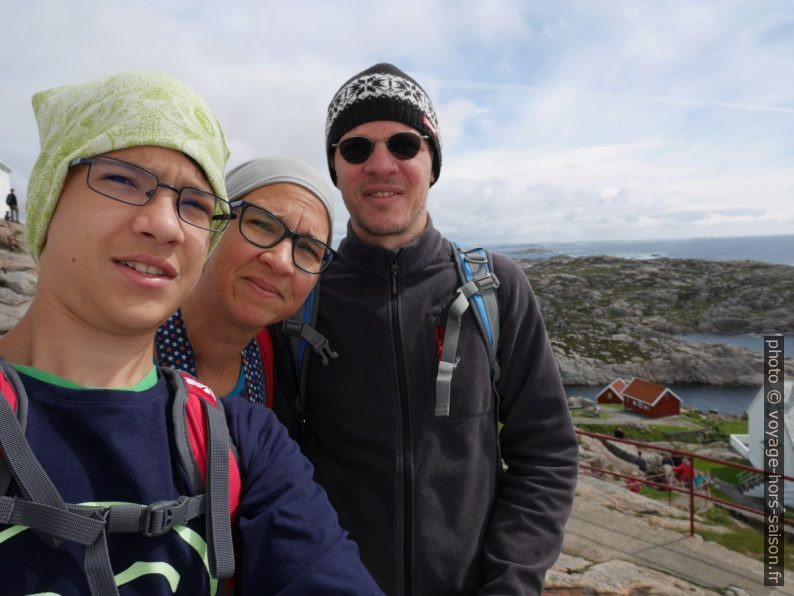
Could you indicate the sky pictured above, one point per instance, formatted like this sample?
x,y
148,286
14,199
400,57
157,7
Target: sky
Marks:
x,y
565,120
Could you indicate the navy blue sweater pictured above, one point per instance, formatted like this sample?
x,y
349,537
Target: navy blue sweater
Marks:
x,y
112,445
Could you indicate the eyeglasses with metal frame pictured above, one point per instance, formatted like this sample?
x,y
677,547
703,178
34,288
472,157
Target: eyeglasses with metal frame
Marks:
x,y
402,145
265,229
131,184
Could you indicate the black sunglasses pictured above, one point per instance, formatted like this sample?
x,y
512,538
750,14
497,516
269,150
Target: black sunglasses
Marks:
x,y
403,145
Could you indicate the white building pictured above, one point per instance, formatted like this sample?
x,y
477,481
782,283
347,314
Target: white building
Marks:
x,y
5,181
751,445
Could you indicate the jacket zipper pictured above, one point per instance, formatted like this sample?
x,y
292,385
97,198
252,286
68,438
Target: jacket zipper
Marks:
x,y
407,467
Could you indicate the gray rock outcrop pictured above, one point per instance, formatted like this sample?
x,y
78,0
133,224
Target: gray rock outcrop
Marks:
x,y
609,317
18,275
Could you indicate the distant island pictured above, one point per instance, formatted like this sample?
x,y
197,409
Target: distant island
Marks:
x,y
609,317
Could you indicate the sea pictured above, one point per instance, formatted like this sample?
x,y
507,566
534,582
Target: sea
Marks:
x,y
778,250
769,249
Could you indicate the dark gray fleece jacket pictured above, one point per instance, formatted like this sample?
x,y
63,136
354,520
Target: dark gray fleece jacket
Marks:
x,y
426,497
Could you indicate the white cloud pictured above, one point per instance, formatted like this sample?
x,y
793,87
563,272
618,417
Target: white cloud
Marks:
x,y
560,120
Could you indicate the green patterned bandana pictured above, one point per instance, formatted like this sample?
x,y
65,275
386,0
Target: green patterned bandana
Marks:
x,y
128,109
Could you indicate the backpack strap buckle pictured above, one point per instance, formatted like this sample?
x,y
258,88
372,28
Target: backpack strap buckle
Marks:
x,y
487,281
318,342
158,518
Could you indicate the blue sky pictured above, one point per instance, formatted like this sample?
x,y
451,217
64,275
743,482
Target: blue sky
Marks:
x,y
564,120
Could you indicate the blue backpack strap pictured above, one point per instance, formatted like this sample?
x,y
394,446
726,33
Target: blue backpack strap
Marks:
x,y
300,329
478,290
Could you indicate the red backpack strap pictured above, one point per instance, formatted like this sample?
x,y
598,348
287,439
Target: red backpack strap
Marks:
x,y
265,343
210,462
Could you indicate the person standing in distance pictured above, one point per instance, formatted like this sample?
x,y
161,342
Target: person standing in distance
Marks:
x,y
438,504
13,207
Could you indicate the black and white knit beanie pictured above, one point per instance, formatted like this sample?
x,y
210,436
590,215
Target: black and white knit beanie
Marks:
x,y
381,92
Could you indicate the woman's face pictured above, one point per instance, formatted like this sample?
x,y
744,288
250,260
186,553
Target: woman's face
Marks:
x,y
256,286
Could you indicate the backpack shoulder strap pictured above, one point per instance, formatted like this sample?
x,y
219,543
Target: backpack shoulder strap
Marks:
x,y
12,393
18,458
265,343
42,509
300,329
208,457
478,290
476,265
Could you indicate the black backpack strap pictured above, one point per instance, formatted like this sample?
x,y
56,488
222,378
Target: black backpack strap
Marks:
x,y
31,478
43,509
302,334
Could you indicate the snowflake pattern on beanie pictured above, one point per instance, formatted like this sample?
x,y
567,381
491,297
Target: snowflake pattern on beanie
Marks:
x,y
377,85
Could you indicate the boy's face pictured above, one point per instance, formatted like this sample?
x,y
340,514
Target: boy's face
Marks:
x,y
122,268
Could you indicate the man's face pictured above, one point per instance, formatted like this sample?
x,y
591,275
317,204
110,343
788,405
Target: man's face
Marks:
x,y
122,268
385,196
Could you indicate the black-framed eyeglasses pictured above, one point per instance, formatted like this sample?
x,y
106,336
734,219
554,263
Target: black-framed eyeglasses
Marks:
x,y
264,229
127,183
402,145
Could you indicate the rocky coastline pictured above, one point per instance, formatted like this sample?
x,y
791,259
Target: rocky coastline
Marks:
x,y
18,275
609,317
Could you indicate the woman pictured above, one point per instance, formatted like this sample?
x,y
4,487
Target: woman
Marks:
x,y
261,272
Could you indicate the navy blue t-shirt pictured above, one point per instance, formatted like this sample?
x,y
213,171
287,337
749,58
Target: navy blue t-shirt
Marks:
x,y
103,446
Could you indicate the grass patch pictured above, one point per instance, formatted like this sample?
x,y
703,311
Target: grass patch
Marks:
x,y
649,434
718,516
654,493
746,540
721,471
749,542
723,428
617,407
731,427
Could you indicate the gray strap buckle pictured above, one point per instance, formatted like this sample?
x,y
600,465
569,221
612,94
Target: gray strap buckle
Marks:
x,y
158,518
316,340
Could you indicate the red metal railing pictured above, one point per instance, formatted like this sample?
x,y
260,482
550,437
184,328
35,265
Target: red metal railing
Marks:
x,y
690,490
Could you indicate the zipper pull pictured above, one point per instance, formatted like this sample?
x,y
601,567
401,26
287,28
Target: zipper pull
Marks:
x,y
394,270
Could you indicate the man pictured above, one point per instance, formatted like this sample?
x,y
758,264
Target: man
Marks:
x,y
13,210
425,496
125,201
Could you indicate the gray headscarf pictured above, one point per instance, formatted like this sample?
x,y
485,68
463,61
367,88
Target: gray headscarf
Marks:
x,y
265,171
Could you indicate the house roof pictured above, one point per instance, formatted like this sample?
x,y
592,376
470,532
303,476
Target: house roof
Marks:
x,y
647,392
4,167
616,386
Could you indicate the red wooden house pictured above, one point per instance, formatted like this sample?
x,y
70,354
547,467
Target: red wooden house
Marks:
x,y
650,399
612,393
